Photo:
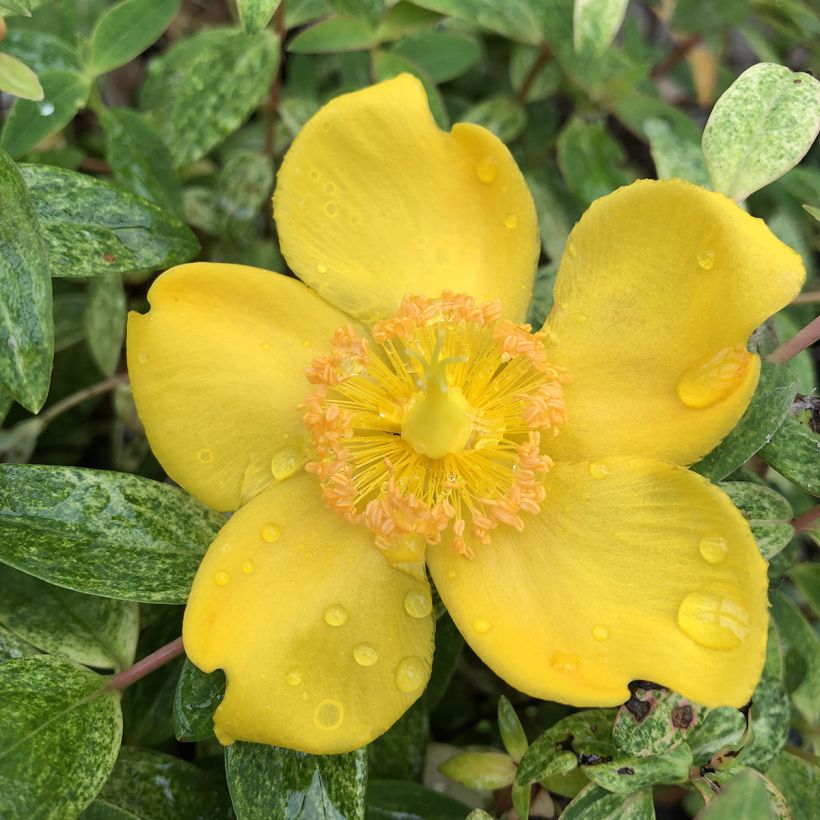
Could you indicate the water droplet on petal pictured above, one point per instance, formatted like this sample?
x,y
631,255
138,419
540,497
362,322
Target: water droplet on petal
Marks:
x,y
142,358
714,619
205,456
314,175
331,209
565,662
320,268
264,346
248,566
294,677
410,674
271,532
706,258
285,463
328,714
222,577
715,377
365,654
487,169
600,632
330,188
335,615
451,574
597,469
481,626
510,221
418,603
714,548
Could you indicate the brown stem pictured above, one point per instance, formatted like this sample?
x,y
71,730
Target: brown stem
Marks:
x,y
804,521
97,166
276,87
797,344
675,56
60,407
544,56
148,664
807,298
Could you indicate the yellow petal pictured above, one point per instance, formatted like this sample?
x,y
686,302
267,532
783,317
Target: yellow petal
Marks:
x,y
373,201
635,570
660,286
217,370
324,643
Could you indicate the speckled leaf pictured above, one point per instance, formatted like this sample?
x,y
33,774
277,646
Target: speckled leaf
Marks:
x,y
801,656
482,770
442,55
516,19
653,721
245,182
88,629
798,781
41,51
586,734
61,731
595,24
92,227
745,796
794,451
760,128
140,160
766,412
502,115
401,800
149,785
542,294
595,803
674,154
720,729
769,718
197,696
256,14
26,325
334,35
767,512
30,122
448,645
13,646
553,220
399,752
205,86
104,533
625,774
269,783
125,30
17,79
512,732
807,579
105,322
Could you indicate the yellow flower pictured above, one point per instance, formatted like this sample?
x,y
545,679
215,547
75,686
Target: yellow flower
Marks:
x,y
572,563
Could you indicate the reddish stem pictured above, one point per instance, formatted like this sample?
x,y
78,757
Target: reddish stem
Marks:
x,y
675,56
147,665
797,344
544,56
804,521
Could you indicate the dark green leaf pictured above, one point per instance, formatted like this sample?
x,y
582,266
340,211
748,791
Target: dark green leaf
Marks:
x,y
674,154
370,10
109,534
542,294
206,86
769,718
256,14
26,330
442,55
768,514
41,51
807,579
516,19
546,80
269,783
197,696
85,628
105,322
399,752
336,34
448,645
512,732
625,774
502,115
92,227
595,803
400,800
794,451
553,220
126,30
31,122
766,412
719,730
61,732
245,183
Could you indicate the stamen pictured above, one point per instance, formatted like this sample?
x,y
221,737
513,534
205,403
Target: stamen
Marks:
x,y
436,427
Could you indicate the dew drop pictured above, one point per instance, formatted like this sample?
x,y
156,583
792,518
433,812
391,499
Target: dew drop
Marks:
x,y
510,221
418,604
597,469
271,532
320,268
600,632
487,169
335,615
205,456
451,574
294,677
365,654
142,358
410,674
565,662
304,696
264,346
248,567
714,619
706,259
331,209
481,626
284,464
314,175
328,714
715,377
222,577
46,109
330,188
713,548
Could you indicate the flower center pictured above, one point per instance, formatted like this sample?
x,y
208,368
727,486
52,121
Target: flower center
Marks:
x,y
434,424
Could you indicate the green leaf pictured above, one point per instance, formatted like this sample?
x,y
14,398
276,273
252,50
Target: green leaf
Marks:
x,y
18,79
399,752
542,294
674,154
205,86
197,696
386,65
553,220
256,14
109,534
125,30
150,785
370,10
401,800
334,35
61,732
769,718
13,646
85,628
720,729
764,415
768,513
516,19
105,322
811,209
30,122
91,227
442,55
41,51
488,770
245,183
595,24
595,803
625,774
512,732
140,160
745,796
653,721
794,451
448,645
807,579
799,782
760,128
502,115
26,329
547,78
269,783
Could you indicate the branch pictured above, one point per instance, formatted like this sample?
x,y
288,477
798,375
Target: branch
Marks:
x,y
148,664
804,521
797,344
276,88
544,56
675,56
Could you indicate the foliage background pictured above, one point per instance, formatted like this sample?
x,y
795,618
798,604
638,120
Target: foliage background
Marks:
x,y
146,133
